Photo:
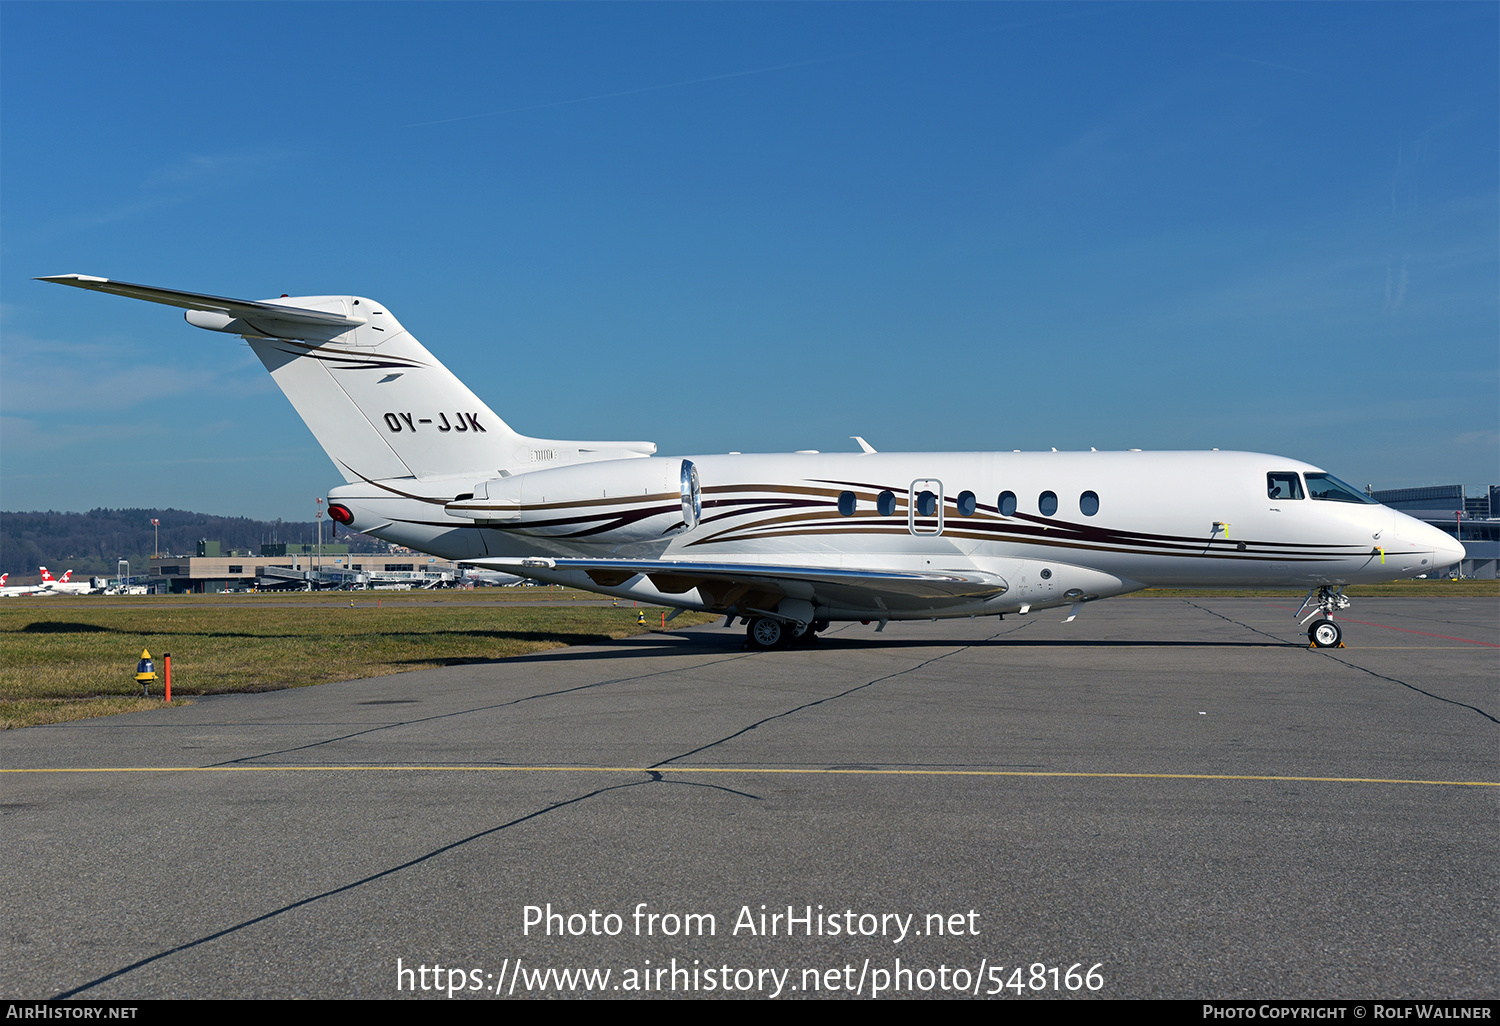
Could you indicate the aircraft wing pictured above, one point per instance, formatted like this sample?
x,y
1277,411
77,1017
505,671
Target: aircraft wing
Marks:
x,y
248,310
725,586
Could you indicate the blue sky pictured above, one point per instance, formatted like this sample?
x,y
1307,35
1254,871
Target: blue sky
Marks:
x,y
759,227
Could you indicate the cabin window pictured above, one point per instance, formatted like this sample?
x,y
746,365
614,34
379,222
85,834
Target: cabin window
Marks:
x,y
846,504
1088,503
926,504
967,504
1326,486
1283,485
1047,503
1006,504
885,503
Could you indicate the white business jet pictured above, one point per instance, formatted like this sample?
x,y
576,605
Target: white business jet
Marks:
x,y
791,542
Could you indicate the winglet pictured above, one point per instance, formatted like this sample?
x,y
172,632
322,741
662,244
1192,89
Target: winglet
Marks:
x,y
866,446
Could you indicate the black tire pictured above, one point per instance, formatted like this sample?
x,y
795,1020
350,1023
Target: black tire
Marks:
x,y
801,634
1324,634
765,632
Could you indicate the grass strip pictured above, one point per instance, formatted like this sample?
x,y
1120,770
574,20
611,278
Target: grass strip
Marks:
x,y
68,658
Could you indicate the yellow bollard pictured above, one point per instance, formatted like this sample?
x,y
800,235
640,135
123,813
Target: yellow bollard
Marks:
x,y
145,673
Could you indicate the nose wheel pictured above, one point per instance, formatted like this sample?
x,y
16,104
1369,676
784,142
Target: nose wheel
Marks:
x,y
1320,605
1325,634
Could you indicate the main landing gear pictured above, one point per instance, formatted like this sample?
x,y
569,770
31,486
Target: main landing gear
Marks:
x,y
765,632
1320,605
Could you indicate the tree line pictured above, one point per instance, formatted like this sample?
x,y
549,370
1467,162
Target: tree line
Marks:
x,y
91,543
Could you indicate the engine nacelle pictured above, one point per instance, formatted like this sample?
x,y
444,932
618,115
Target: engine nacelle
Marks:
x,y
616,500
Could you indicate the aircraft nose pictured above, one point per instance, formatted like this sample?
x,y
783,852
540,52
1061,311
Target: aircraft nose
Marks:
x,y
1419,538
1446,550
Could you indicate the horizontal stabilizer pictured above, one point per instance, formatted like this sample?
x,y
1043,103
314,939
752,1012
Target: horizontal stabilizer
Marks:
x,y
247,310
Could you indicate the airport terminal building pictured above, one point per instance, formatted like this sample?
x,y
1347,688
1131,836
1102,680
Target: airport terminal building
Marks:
x,y
283,567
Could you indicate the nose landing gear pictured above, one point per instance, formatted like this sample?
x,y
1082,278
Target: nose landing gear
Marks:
x,y
1320,605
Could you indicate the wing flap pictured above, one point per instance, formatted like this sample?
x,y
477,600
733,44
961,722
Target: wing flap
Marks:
x,y
724,585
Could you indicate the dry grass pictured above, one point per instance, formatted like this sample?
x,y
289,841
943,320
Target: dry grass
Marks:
x,y
65,658
37,711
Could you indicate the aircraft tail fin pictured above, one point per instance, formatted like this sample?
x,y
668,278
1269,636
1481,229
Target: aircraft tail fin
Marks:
x,y
378,402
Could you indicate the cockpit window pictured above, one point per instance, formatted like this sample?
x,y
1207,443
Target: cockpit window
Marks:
x,y
1326,486
1283,486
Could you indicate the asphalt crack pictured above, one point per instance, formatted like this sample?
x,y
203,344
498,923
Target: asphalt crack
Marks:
x,y
1355,666
466,712
832,698
362,881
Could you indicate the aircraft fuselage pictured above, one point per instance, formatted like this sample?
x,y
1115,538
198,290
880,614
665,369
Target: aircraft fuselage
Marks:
x,y
1084,525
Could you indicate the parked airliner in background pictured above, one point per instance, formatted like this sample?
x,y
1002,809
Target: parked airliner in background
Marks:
x,y
17,590
63,585
49,586
790,543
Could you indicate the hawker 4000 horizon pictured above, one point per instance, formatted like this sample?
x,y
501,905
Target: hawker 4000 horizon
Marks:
x,y
789,543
